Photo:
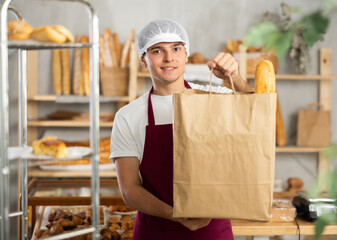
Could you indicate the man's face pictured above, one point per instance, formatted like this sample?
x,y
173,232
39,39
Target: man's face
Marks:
x,y
166,61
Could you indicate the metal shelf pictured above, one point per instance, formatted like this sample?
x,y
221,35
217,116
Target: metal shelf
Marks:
x,y
34,45
76,99
296,149
64,123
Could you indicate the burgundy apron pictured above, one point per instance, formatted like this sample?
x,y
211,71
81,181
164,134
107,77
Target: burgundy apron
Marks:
x,y
156,170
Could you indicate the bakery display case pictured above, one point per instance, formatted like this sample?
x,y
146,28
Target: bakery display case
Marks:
x,y
22,48
70,193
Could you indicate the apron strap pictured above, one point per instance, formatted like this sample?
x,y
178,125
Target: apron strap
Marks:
x,y
150,114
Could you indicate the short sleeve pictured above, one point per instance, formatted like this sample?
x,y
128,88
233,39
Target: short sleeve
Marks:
x,y
123,143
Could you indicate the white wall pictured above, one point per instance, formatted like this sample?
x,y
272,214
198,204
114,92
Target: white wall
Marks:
x,y
209,24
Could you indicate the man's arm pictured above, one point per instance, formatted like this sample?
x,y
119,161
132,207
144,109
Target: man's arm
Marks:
x,y
137,197
225,65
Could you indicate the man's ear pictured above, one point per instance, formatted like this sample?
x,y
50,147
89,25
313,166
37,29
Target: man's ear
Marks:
x,y
143,62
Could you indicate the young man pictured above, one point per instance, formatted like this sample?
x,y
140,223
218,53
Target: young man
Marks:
x,y
142,142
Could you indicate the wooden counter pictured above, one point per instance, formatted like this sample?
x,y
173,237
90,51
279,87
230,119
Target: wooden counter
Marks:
x,y
252,228
39,173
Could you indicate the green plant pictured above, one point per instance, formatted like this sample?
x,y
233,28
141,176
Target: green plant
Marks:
x,y
329,179
283,35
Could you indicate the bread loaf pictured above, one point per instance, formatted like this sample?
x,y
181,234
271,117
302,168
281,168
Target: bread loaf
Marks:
x,y
57,74
19,30
265,77
111,45
280,132
265,82
50,146
65,72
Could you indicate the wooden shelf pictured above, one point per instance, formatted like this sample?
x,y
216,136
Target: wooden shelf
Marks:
x,y
39,173
296,149
278,76
143,74
299,77
76,99
64,123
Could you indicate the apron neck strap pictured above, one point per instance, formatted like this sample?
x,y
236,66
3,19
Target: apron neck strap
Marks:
x,y
150,114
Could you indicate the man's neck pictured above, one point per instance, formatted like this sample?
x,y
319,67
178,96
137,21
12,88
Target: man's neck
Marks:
x,y
162,89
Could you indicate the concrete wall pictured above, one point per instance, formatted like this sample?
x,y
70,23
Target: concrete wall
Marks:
x,y
209,24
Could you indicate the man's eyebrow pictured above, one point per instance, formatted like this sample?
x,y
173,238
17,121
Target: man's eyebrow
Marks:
x,y
156,47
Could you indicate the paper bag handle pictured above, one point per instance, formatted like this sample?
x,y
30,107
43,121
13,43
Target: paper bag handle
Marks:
x,y
310,105
230,79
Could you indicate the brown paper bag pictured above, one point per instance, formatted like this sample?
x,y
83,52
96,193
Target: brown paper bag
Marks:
x,y
313,127
224,155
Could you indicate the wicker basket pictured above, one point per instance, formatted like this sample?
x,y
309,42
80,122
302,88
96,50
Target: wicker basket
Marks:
x,y
114,81
253,60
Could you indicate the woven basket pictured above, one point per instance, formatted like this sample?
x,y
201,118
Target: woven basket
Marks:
x,y
253,59
114,81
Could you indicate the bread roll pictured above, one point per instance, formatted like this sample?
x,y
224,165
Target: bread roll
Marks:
x,y
65,71
65,32
57,72
48,34
57,33
19,30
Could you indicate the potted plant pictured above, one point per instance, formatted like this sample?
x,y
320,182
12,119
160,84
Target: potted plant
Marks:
x,y
283,35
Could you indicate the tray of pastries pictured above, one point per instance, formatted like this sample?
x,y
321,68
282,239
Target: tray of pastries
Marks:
x,y
53,220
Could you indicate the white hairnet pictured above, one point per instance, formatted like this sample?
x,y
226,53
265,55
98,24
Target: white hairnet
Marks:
x,y
161,30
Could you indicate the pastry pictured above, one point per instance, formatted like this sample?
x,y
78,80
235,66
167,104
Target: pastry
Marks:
x,y
19,30
114,227
41,233
50,146
127,235
56,229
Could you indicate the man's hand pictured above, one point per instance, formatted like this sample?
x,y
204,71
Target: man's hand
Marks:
x,y
193,223
224,65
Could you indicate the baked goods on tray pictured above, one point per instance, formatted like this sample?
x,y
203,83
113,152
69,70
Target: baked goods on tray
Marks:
x,y
51,146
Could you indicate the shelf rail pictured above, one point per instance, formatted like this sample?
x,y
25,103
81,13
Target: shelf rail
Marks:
x,y
22,111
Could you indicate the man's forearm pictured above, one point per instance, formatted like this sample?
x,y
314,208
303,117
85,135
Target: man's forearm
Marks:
x,y
241,85
139,198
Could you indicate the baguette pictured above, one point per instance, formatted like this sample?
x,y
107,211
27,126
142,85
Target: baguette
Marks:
x,y
108,38
19,30
65,72
85,67
280,132
126,48
118,47
77,86
57,74
107,60
101,53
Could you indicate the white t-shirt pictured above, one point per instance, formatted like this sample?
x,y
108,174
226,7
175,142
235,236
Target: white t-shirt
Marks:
x,y
128,132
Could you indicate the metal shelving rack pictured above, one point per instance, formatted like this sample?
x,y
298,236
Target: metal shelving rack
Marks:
x,y
22,48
